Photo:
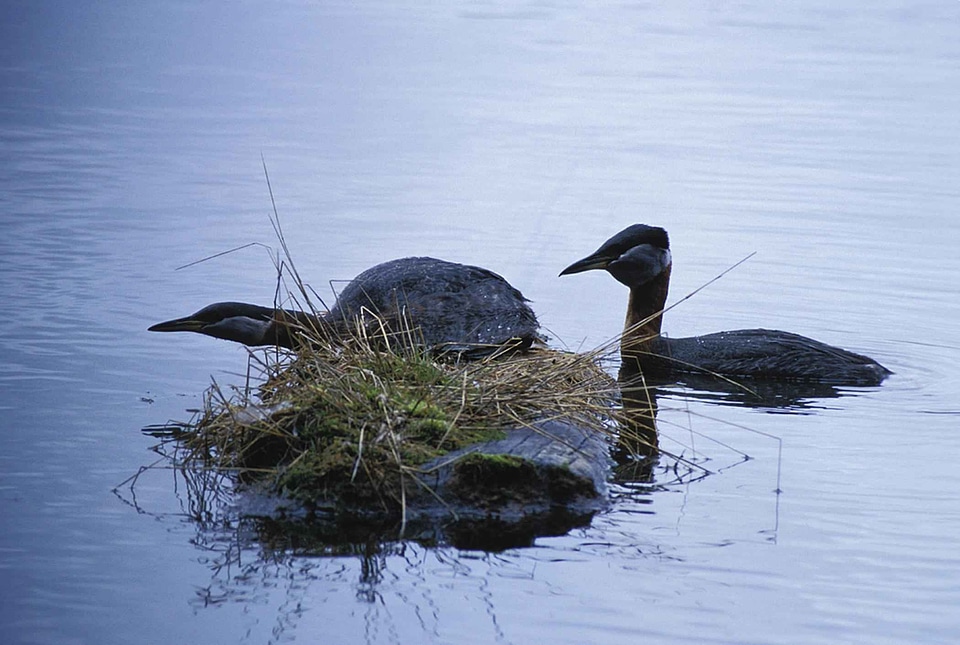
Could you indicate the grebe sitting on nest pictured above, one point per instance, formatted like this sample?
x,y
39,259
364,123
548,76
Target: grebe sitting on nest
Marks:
x,y
449,307
639,257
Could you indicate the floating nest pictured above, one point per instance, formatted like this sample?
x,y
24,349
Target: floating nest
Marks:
x,y
353,423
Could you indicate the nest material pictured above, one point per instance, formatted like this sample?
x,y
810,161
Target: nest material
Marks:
x,y
346,423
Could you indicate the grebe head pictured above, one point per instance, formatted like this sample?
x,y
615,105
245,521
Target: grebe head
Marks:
x,y
634,256
236,321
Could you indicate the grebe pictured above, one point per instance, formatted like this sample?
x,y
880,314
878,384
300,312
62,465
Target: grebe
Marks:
x,y
639,257
452,307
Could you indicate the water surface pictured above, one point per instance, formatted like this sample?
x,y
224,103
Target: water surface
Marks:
x,y
824,137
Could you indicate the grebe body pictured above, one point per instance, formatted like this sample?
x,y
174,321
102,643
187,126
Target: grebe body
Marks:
x,y
639,257
447,306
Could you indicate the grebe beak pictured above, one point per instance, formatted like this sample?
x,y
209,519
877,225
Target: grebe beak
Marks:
x,y
187,323
594,261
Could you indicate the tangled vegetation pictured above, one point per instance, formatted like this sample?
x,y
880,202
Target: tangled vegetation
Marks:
x,y
352,422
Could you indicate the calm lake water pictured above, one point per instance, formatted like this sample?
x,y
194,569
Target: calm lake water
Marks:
x,y
822,136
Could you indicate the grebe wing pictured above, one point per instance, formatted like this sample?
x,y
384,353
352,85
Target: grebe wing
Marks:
x,y
772,354
450,304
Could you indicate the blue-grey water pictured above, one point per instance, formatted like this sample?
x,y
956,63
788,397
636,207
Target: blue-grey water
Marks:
x,y
821,135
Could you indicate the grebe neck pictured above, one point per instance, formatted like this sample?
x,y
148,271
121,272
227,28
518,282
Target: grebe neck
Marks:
x,y
644,315
287,328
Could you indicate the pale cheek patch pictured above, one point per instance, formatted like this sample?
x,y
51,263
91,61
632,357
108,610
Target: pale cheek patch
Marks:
x,y
240,329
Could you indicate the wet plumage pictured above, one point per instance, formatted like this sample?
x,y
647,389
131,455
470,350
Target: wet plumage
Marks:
x,y
450,307
639,257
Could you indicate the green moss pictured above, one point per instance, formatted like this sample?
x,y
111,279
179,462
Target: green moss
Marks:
x,y
494,479
493,464
564,486
425,409
317,475
430,431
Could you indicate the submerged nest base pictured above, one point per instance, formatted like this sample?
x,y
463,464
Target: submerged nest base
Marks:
x,y
378,427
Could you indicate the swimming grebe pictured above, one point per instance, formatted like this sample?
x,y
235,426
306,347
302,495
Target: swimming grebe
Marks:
x,y
639,257
453,307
